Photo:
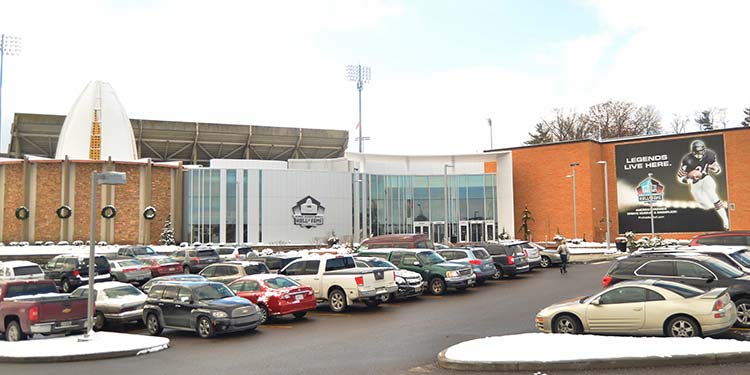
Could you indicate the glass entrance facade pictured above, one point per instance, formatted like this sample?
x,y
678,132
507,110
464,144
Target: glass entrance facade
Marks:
x,y
417,204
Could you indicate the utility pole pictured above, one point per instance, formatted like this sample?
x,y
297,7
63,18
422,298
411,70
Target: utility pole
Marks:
x,y
361,75
575,220
606,198
445,184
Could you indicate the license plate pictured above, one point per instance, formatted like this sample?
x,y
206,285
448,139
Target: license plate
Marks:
x,y
171,268
66,324
298,297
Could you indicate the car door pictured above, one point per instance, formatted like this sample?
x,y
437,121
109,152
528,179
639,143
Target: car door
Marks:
x,y
310,275
183,307
241,289
694,274
229,274
167,304
51,271
620,310
408,261
294,271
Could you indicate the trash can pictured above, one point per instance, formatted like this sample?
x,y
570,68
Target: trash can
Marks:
x,y
621,243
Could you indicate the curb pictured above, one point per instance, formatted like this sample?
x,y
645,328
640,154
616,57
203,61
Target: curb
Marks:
x,y
594,364
85,357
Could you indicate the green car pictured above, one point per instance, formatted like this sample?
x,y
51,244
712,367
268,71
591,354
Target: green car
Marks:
x,y
439,273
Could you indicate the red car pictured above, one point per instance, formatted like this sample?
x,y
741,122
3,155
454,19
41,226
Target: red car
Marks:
x,y
275,295
729,238
161,265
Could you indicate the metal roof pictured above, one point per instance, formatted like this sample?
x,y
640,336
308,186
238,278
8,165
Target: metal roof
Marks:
x,y
190,142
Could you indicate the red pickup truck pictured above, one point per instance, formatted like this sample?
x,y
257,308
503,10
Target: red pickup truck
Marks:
x,y
34,306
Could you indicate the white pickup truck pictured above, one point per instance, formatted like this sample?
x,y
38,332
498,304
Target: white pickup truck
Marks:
x,y
336,280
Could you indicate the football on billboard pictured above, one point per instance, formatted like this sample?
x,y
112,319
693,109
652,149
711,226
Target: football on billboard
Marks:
x,y
695,175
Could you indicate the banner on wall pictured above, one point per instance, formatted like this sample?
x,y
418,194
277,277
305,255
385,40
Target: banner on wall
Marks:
x,y
684,180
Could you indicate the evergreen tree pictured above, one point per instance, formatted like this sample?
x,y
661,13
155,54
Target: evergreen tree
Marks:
x,y
746,120
525,219
167,232
705,120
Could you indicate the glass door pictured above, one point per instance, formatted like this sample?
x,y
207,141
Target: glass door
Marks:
x,y
438,231
463,231
422,227
476,231
490,230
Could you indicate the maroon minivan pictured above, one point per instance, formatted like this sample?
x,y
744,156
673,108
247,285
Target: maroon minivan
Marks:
x,y
400,241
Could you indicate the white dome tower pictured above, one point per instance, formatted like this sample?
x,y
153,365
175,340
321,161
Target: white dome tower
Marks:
x,y
97,127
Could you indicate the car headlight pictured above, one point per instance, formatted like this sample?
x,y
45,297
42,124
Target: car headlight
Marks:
x,y
400,280
452,274
219,314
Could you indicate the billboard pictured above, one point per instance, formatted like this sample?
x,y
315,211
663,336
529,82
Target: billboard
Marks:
x,y
683,180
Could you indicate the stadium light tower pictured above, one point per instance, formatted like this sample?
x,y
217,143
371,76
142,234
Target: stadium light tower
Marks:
x,y
9,45
361,75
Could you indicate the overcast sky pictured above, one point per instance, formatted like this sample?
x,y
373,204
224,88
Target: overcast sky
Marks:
x,y
439,68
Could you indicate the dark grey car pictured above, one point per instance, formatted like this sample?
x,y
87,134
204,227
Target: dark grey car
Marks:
x,y
194,260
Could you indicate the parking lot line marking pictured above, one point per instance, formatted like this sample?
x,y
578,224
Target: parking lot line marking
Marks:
x,y
390,305
329,314
276,326
602,262
740,329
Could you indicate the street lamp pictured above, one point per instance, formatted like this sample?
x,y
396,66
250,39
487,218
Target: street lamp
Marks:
x,y
573,176
361,75
11,46
445,198
104,178
606,198
489,122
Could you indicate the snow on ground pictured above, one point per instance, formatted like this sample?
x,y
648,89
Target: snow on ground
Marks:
x,y
102,342
559,347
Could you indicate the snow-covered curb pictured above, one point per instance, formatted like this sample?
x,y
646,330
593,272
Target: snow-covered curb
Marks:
x,y
68,348
566,352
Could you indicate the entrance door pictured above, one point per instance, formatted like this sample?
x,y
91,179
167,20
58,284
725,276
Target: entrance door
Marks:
x,y
422,227
463,231
490,232
476,231
438,231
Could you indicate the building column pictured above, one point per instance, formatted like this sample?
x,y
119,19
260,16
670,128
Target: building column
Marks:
x,y
176,202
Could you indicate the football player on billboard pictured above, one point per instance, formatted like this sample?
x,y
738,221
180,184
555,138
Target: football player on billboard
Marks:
x,y
696,170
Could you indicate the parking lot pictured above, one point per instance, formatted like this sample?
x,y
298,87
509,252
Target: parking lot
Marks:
x,y
403,337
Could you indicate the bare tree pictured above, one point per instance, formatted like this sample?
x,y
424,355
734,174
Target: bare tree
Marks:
x,y
746,120
679,123
564,125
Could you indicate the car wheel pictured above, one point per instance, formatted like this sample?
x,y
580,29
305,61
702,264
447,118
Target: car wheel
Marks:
x,y
65,286
99,321
545,262
263,314
186,269
388,298
337,300
205,328
437,286
372,302
13,332
743,312
300,315
683,326
498,274
566,324
153,326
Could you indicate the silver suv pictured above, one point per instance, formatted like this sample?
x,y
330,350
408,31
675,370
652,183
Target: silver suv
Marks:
x,y
533,255
475,257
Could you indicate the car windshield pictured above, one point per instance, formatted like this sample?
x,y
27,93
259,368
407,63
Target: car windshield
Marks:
x,y
381,263
722,268
30,289
206,253
122,292
430,257
27,270
225,251
129,263
281,282
213,291
517,249
481,254
144,251
742,257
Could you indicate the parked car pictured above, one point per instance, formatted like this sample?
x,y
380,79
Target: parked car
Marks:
x,y
735,256
175,278
233,252
729,238
275,295
643,307
194,260
400,241
337,281
475,257
274,262
533,255
115,302
700,271
204,307
439,273
160,265
410,284
71,271
129,271
509,258
135,251
548,257
20,270
227,272
34,306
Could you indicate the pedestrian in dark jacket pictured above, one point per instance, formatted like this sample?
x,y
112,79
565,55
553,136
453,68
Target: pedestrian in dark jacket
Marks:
x,y
562,249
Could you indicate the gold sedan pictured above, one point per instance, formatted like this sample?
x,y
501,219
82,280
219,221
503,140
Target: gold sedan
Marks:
x,y
643,307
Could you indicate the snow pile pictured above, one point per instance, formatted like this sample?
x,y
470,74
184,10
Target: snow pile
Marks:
x,y
102,342
559,347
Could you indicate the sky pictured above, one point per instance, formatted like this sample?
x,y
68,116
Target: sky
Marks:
x,y
440,69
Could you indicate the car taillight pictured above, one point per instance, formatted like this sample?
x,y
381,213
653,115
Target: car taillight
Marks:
x,y
718,305
237,256
33,313
475,262
526,253
394,275
511,260
606,280
197,260
360,280
76,273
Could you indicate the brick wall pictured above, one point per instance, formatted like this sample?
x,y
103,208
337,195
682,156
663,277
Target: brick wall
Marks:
x,y
48,195
12,227
161,193
82,206
127,202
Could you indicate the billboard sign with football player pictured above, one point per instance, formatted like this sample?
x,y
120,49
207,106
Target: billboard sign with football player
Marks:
x,y
684,179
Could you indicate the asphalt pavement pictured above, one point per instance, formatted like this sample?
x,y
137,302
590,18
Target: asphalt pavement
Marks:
x,y
399,338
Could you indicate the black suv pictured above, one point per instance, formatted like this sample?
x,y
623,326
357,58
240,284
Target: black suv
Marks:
x,y
71,271
205,307
194,260
510,259
274,262
701,271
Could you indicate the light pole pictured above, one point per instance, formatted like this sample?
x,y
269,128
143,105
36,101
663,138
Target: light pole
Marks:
x,y
606,198
489,122
9,45
361,75
104,178
573,176
445,183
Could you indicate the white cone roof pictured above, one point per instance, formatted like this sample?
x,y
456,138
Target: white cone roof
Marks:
x,y
117,140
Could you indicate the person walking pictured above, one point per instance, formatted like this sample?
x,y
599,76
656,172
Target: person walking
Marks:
x,y
562,249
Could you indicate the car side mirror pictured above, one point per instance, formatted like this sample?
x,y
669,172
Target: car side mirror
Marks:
x,y
710,279
596,302
416,263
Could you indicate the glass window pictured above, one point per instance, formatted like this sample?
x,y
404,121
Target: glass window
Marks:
x,y
156,292
170,292
26,270
29,289
654,296
409,259
339,264
251,286
212,291
281,282
238,286
256,268
231,270
711,241
430,257
395,257
481,254
657,268
690,269
683,290
624,295
722,269
122,292
311,267
209,271
295,269
742,257
184,295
